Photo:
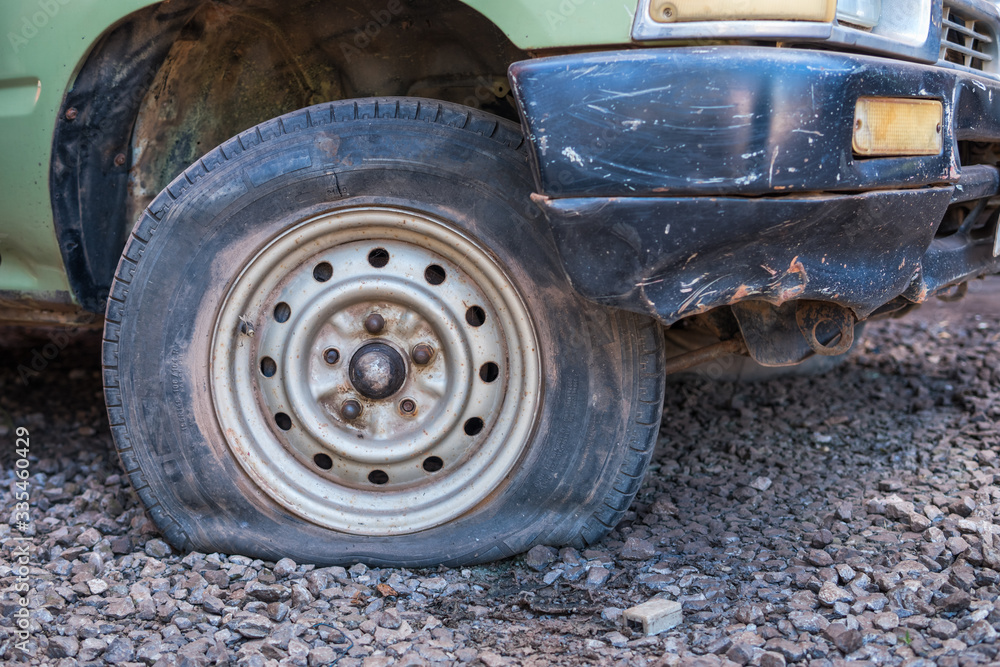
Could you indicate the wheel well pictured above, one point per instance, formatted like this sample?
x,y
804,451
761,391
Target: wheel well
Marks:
x,y
174,80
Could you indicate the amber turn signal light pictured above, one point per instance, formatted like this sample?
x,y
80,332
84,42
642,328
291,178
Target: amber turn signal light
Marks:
x,y
896,127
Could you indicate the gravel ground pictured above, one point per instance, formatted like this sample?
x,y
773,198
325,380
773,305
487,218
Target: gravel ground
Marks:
x,y
851,516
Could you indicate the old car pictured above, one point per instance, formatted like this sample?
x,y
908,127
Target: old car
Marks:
x,y
387,280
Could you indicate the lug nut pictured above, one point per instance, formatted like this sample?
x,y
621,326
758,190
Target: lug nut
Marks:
x,y
374,323
422,353
407,406
351,409
331,356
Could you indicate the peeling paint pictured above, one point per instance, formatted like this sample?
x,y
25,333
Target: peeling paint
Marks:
x,y
572,155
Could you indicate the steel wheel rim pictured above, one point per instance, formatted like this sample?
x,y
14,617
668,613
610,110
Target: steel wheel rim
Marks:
x,y
417,458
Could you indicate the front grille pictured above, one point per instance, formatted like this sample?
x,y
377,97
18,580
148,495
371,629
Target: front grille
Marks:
x,y
966,41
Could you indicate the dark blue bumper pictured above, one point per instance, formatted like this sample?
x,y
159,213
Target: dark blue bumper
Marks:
x,y
678,180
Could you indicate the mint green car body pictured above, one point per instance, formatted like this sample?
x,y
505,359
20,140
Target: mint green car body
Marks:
x,y
45,43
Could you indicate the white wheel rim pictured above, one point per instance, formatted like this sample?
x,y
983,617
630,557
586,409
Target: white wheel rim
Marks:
x,y
392,470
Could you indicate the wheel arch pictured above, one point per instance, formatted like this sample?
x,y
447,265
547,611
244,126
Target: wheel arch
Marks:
x,y
172,80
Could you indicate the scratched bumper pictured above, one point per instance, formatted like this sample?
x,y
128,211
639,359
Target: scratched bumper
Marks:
x,y
678,180
731,121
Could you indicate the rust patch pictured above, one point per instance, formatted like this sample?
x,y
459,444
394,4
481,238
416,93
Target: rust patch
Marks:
x,y
742,292
45,309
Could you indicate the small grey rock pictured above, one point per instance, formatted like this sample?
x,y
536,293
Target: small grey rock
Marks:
x,y
263,592
157,549
636,549
301,596
964,506
886,621
772,659
213,605
955,602
120,650
808,621
819,558
596,576
980,632
845,573
284,567
741,653
942,628
829,593
749,613
551,576
616,639
63,647
897,508
848,641
97,586
120,608
918,522
89,537
254,626
540,557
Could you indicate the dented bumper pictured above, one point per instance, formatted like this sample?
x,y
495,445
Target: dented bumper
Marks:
x,y
679,180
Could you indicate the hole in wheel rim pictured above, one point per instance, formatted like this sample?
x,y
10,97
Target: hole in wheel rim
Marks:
x,y
282,312
378,477
268,367
489,372
434,274
378,257
323,461
433,464
323,272
283,421
473,426
475,316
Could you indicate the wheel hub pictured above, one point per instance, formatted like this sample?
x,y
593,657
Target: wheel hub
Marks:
x,y
377,371
392,379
